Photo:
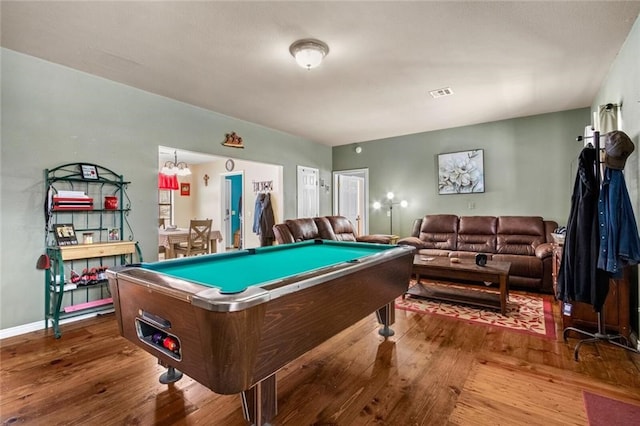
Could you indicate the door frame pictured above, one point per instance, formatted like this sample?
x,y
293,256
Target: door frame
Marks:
x,y
363,173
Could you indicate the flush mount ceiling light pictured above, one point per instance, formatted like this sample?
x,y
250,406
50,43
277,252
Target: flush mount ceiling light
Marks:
x,y
175,168
309,53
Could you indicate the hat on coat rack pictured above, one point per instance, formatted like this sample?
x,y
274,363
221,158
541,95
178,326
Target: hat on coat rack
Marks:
x,y
617,148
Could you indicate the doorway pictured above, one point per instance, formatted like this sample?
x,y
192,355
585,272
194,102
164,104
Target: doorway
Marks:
x,y
210,198
308,193
232,211
351,197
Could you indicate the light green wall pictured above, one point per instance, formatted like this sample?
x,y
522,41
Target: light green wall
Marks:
x,y
529,168
53,115
622,87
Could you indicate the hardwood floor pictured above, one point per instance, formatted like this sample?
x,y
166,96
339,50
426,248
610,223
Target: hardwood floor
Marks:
x,y
434,371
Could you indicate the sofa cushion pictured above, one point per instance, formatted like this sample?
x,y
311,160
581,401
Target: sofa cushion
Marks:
x,y
303,229
324,228
519,234
477,234
335,228
412,241
282,233
439,231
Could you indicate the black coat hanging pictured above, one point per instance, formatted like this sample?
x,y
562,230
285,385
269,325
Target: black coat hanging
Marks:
x,y
579,279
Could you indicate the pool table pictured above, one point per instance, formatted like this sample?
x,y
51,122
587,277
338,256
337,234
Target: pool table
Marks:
x,y
231,320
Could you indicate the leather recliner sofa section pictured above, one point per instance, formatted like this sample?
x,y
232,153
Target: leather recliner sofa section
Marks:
x,y
337,228
524,241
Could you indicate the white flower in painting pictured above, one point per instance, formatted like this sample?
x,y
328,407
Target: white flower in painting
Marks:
x,y
460,174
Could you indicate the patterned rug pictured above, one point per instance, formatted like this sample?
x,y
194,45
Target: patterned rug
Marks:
x,y
526,313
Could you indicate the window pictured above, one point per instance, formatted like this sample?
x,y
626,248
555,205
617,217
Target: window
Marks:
x,y
165,207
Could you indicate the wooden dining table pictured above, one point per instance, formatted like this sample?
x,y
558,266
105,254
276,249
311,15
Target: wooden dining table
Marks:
x,y
168,238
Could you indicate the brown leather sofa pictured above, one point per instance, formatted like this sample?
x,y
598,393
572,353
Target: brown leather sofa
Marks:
x,y
337,228
524,241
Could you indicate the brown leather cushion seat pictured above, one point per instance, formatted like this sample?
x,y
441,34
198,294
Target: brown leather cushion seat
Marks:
x,y
439,231
303,229
477,234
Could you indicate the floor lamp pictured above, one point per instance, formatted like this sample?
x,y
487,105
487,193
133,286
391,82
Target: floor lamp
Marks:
x,y
390,203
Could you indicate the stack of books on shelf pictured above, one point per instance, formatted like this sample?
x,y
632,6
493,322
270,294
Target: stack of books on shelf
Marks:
x,y
72,200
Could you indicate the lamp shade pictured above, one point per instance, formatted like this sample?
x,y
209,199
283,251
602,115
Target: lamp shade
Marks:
x,y
309,53
169,170
172,168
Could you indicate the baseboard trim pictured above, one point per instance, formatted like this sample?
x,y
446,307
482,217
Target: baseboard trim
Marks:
x,y
39,325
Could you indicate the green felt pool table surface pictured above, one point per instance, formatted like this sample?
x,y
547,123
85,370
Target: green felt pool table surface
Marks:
x,y
235,271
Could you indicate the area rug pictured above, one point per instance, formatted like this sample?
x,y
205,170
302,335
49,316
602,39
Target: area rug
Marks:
x,y
603,411
526,313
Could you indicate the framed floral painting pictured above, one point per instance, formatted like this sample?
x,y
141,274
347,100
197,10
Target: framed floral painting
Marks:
x,y
461,172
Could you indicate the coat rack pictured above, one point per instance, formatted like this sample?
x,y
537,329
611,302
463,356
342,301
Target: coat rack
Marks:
x,y
600,335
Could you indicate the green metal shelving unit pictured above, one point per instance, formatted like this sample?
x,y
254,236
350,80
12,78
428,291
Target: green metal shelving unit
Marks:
x,y
64,298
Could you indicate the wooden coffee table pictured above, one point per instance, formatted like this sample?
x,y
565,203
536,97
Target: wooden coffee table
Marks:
x,y
466,270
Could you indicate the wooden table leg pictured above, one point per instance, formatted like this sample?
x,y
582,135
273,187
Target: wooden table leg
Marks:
x,y
504,294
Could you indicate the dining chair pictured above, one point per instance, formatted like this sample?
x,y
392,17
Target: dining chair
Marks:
x,y
161,249
199,239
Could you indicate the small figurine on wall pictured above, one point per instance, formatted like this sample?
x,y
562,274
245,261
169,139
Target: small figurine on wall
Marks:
x,y
233,140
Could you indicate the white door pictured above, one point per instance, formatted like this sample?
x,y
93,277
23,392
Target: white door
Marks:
x,y
350,198
308,192
228,234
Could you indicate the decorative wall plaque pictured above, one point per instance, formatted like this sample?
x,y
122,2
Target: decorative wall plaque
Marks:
x,y
233,140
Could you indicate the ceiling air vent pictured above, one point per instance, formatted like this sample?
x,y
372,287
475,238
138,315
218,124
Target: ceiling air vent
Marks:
x,y
446,91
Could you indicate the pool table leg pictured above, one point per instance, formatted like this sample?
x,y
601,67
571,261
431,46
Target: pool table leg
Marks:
x,y
386,316
260,403
170,376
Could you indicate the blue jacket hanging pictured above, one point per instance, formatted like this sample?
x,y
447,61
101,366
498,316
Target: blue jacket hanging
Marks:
x,y
257,214
619,240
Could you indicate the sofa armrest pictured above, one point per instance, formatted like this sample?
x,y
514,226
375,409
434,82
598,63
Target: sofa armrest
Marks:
x,y
377,238
544,250
412,241
283,234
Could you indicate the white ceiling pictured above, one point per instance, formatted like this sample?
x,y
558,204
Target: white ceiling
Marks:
x,y
502,59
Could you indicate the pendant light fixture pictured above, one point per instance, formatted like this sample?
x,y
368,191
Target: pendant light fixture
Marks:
x,y
171,168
